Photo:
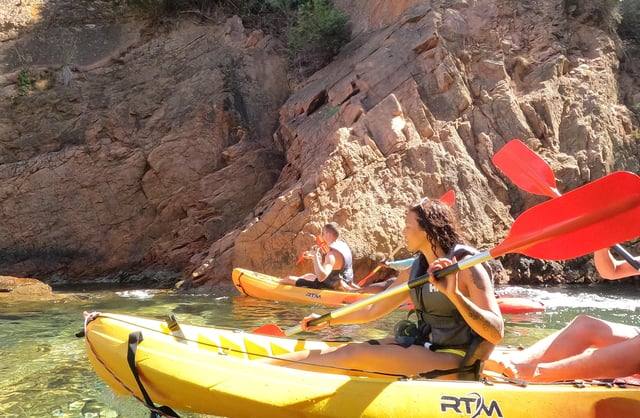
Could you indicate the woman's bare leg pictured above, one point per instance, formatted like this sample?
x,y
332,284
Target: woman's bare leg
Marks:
x,y
583,333
384,358
616,360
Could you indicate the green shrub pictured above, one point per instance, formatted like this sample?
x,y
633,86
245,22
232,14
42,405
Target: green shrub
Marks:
x,y
317,36
25,82
629,27
285,6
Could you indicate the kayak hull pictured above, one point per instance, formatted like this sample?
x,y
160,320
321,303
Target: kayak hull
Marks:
x,y
516,305
263,286
218,371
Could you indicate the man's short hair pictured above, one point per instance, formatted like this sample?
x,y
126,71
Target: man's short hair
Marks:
x,y
334,228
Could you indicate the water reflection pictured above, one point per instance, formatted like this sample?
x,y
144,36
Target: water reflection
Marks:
x,y
249,311
45,372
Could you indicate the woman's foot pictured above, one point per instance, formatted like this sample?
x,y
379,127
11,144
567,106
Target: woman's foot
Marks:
x,y
510,366
501,365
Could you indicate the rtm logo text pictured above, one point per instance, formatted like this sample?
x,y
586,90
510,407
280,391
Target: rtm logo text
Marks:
x,y
472,405
313,295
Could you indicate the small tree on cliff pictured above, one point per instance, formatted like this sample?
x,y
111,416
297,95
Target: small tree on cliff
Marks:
x,y
317,36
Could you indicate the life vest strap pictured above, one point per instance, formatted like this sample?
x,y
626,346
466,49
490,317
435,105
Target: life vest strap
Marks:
x,y
471,372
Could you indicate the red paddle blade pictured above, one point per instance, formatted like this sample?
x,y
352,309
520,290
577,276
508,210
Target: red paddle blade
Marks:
x,y
591,217
449,198
526,169
517,151
269,329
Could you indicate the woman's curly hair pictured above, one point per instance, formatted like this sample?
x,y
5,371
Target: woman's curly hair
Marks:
x,y
440,223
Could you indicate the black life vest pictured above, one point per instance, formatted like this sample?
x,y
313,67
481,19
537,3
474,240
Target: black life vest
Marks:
x,y
439,321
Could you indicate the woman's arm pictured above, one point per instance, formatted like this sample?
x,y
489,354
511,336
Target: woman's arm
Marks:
x,y
370,312
374,311
610,268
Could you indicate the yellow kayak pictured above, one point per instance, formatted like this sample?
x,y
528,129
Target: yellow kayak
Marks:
x,y
218,371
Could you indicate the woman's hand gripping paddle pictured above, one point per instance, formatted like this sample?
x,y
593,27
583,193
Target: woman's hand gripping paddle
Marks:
x,y
449,198
531,173
580,222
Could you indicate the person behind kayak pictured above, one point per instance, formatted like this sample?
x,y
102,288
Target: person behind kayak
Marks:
x,y
455,313
587,348
331,270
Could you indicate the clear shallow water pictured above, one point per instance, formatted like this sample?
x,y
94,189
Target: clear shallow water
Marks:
x,y
44,371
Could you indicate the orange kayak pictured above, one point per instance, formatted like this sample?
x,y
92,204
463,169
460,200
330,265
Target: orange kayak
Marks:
x,y
518,305
263,286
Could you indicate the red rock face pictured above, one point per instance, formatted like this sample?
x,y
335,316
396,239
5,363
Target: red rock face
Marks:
x,y
188,149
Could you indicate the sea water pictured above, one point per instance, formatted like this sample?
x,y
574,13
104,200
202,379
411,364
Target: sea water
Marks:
x,y
44,371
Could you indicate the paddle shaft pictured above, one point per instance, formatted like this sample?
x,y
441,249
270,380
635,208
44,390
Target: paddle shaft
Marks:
x,y
625,254
538,178
394,290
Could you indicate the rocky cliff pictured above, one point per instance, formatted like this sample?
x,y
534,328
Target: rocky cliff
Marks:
x,y
135,148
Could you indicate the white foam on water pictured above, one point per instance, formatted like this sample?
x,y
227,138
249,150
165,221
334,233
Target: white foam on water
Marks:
x,y
135,294
561,297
